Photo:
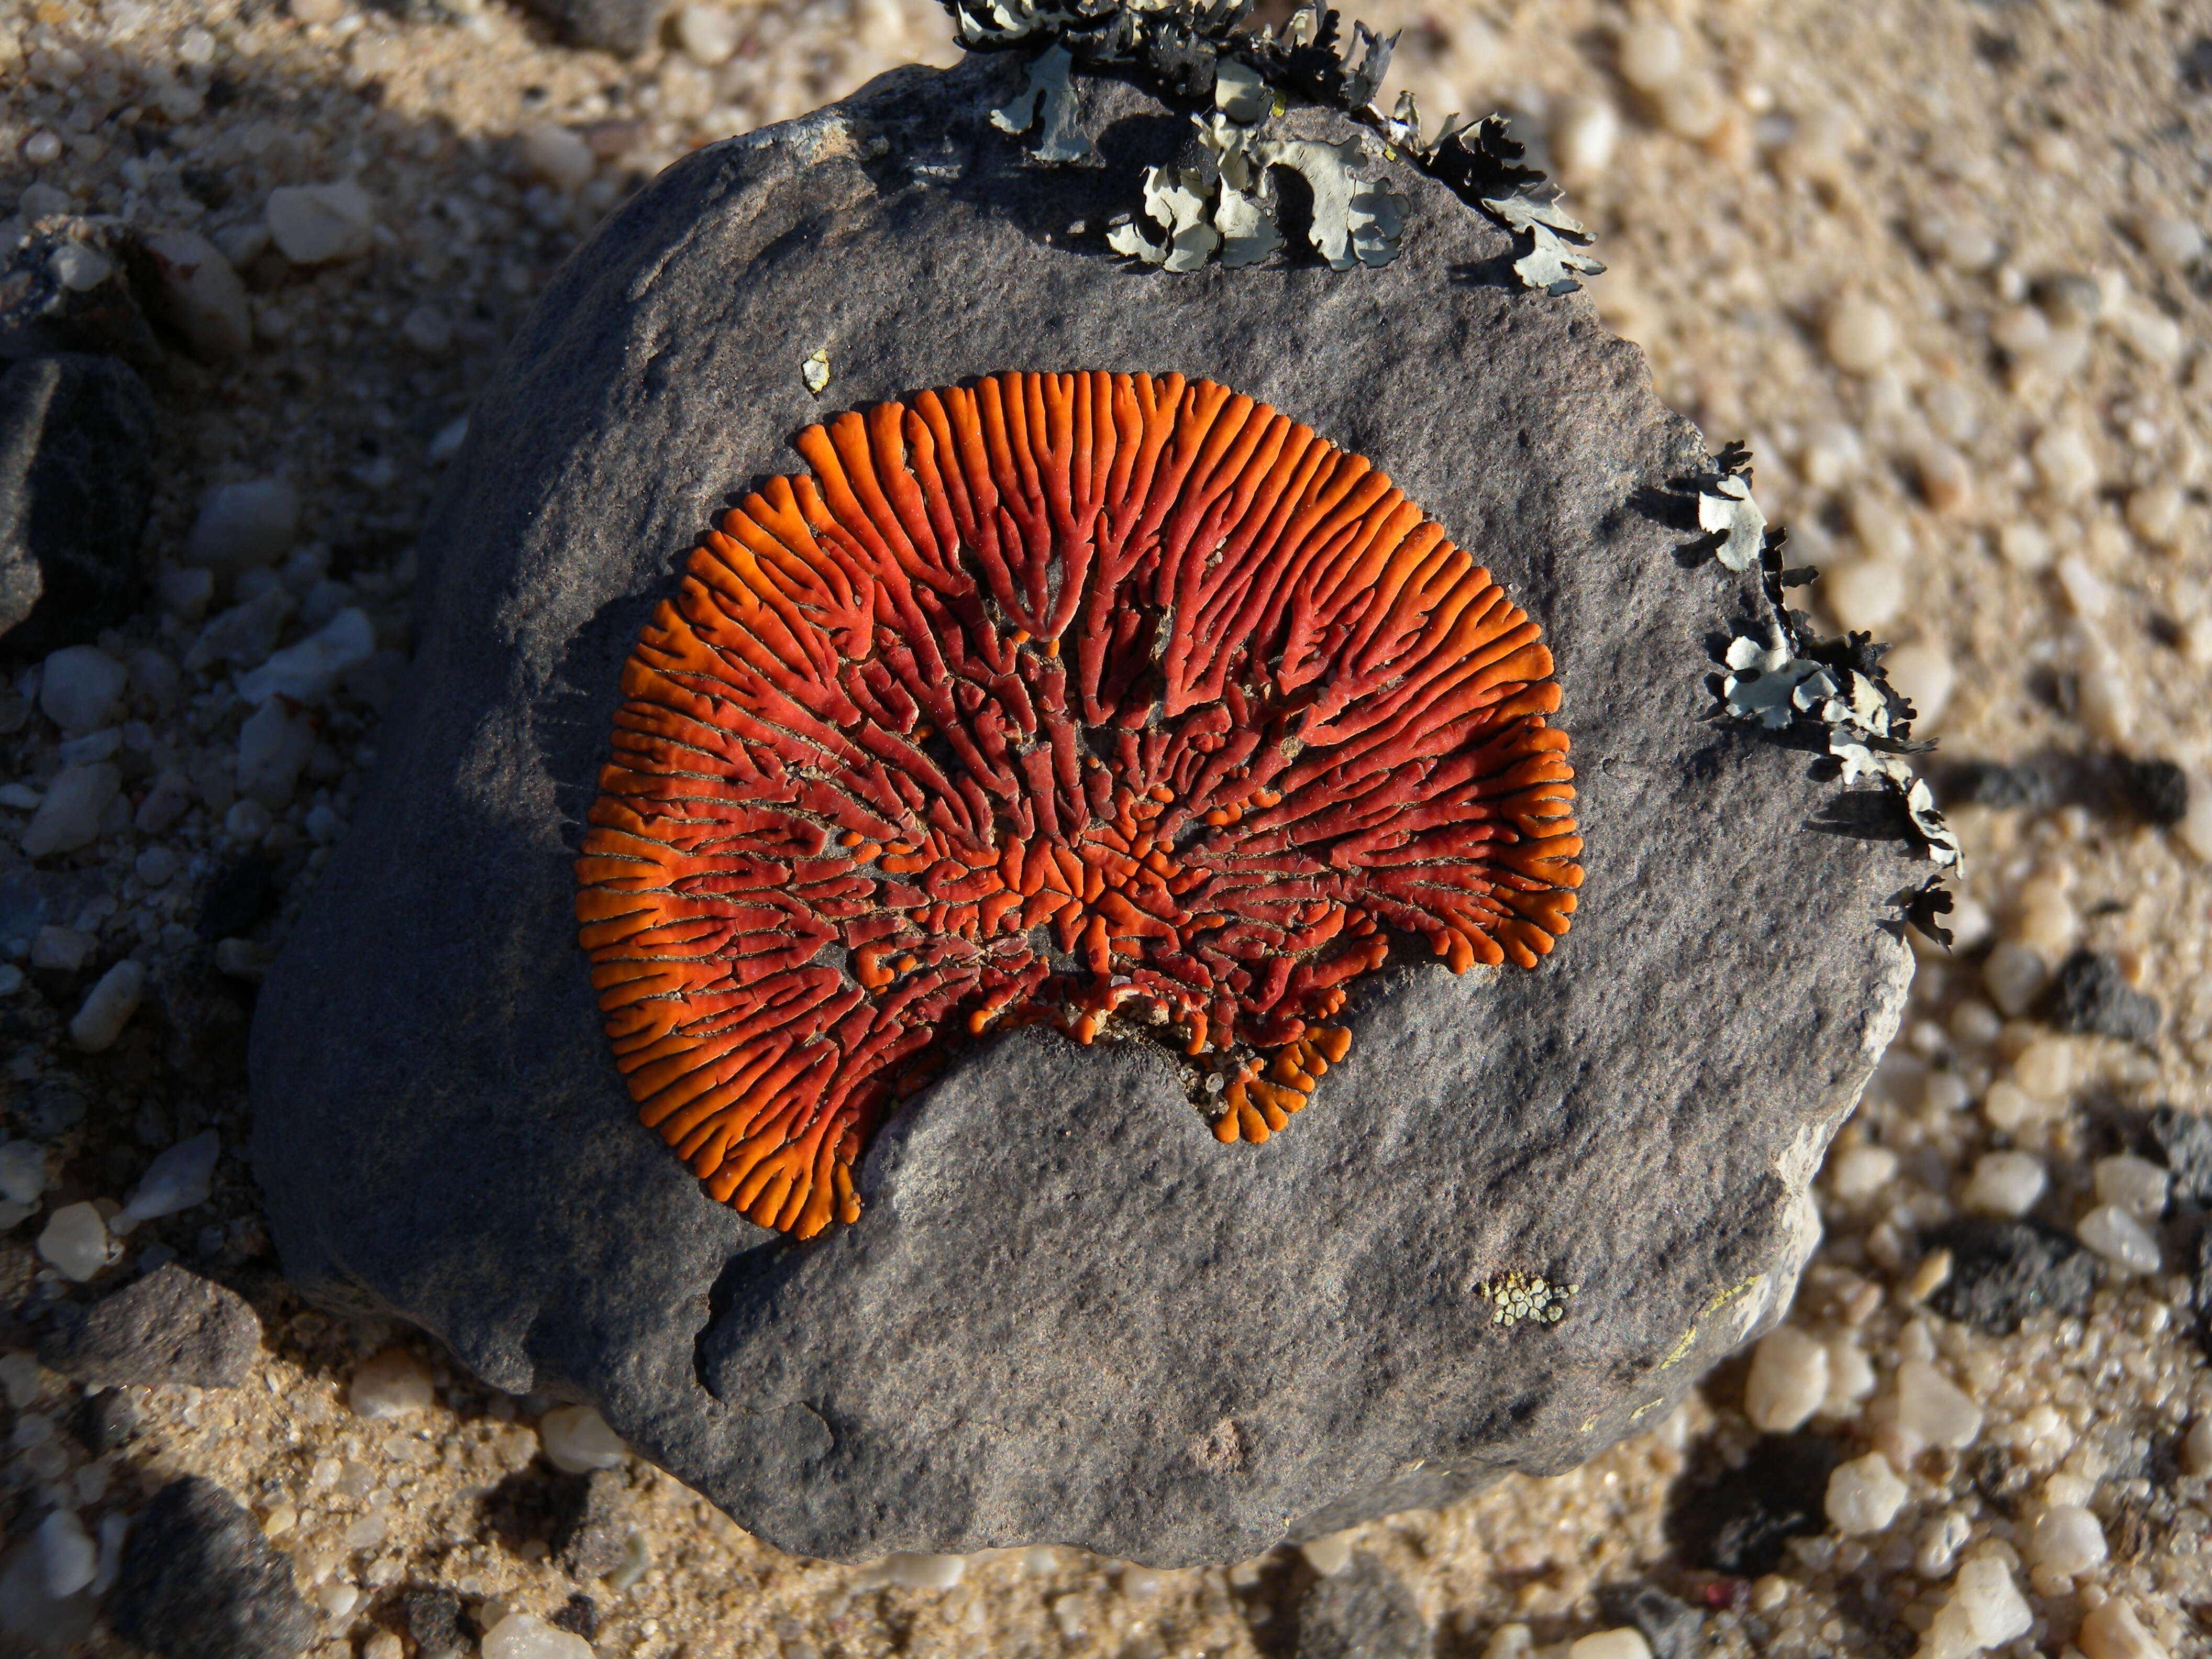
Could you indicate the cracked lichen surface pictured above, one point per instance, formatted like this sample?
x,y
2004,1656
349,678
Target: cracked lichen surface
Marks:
x,y
1127,704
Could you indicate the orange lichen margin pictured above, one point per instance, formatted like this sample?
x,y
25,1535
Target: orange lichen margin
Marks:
x,y
1076,698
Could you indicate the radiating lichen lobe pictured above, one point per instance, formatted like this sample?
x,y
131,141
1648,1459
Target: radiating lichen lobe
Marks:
x,y
1122,703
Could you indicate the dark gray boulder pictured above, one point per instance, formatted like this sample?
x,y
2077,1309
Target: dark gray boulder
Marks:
x,y
1066,1314
172,1326
77,482
198,1581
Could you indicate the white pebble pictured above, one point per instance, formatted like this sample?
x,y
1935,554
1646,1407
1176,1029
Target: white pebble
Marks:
x,y
2068,1539
395,1383
2064,465
559,156
1864,594
1984,1609
1832,454
273,744
205,299
2014,977
156,866
526,1636
181,1177
2005,1183
577,1439
1864,1495
384,1645
246,821
41,148
1862,1172
67,1555
2174,241
1860,336
80,687
1626,1642
2196,1446
1947,481
69,817
338,1599
2023,331
1789,1380
107,1007
1945,1092
1933,1410
2150,333
78,268
307,672
1585,132
315,224
2112,1632
242,527
1650,54
2046,1069
2119,1237
1691,106
2025,547
2136,1184
365,1532
2154,513
22,1171
448,441
2086,591
63,948
1925,675
708,34
75,1242
2008,1107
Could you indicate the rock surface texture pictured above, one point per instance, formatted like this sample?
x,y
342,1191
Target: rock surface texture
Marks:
x,y
172,1326
1065,1312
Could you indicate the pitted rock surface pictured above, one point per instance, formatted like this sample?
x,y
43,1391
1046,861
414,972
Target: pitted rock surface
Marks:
x,y
1065,1313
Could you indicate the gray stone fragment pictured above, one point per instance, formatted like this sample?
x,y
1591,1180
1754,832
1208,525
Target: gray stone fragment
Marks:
x,y
1675,1629
198,1581
436,1621
624,26
2003,1270
76,481
1066,1312
1364,1612
2090,996
588,1536
172,1326
2185,1142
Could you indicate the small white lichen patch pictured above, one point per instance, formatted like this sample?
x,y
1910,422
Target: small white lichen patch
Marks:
x,y
1557,240
1520,1296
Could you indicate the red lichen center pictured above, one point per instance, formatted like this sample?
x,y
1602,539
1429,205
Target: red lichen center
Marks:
x,y
1082,698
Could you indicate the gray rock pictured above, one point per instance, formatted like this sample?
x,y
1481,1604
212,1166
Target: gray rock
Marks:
x,y
1675,1629
1364,1612
437,1623
1067,1314
2088,995
198,1581
2185,1142
2002,1271
76,481
172,1326
623,26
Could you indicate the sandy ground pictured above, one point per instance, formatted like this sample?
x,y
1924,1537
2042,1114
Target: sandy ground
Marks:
x,y
1939,263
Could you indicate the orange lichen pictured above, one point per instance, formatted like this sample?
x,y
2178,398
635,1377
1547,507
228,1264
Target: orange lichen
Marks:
x,y
1093,699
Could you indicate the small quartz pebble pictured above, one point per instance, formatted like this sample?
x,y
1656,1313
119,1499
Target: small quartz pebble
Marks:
x,y
526,1636
395,1383
107,1007
243,526
1860,337
2112,1632
22,1171
911,1570
316,224
708,34
1789,1380
66,1553
2014,977
2064,465
2134,1184
1924,674
2067,1539
2120,1239
1984,1609
274,746
2005,1183
558,156
577,1439
202,295
1862,1172
2154,513
1329,1555
1650,54
1864,1495
76,1243
1585,131
1932,1409
178,1179
1863,594
2025,546
1624,1643
308,672
80,687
